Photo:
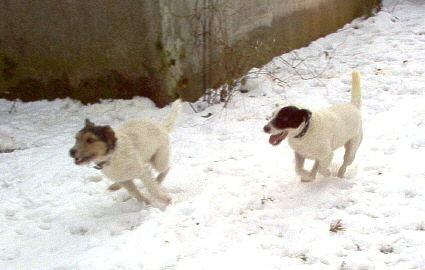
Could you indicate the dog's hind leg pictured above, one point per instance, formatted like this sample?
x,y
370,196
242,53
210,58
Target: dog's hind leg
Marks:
x,y
132,189
153,186
351,148
160,162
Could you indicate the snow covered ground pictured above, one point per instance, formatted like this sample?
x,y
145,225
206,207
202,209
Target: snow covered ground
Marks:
x,y
237,203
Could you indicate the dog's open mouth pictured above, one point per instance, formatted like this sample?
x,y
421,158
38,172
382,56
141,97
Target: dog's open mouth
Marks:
x,y
277,138
82,160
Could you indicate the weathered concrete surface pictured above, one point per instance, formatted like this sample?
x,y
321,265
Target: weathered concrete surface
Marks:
x,y
227,38
157,48
82,49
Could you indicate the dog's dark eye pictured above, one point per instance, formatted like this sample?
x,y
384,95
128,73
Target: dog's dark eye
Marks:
x,y
90,140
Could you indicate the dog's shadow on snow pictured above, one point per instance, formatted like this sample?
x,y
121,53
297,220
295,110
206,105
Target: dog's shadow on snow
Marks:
x,y
333,180
114,217
108,213
321,190
322,184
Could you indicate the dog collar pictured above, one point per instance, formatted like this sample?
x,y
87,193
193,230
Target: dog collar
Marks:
x,y
304,130
100,165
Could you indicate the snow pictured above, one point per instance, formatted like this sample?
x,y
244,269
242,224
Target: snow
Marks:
x,y
237,202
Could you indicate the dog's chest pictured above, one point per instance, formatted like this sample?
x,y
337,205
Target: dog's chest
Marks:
x,y
121,171
306,148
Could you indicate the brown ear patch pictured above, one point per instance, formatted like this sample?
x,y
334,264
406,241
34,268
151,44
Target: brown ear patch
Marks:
x,y
109,136
88,123
290,117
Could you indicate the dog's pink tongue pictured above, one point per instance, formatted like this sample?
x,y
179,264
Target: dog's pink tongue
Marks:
x,y
276,139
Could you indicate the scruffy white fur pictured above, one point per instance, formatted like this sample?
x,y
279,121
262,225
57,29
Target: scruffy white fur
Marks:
x,y
142,145
330,128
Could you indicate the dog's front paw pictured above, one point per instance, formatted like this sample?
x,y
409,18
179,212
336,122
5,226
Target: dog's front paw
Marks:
x,y
165,199
307,178
114,187
341,172
325,173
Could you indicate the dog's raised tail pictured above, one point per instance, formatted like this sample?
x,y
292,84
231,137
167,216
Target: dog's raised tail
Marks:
x,y
171,120
356,90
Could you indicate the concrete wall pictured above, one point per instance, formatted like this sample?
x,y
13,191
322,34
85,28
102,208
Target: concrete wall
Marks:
x,y
91,49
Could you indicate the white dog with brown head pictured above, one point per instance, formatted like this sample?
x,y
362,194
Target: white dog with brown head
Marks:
x,y
128,152
315,135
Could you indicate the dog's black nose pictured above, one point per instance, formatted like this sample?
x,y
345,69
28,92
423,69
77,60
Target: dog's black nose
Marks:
x,y
72,152
267,129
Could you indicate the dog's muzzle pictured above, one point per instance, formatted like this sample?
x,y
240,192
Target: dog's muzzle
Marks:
x,y
79,160
275,139
72,152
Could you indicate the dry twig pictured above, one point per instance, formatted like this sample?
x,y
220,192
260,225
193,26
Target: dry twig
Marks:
x,y
336,226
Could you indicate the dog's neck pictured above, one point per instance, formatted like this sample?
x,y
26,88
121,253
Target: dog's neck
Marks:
x,y
100,164
304,130
112,146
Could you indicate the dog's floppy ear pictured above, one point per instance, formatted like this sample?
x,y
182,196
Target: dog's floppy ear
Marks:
x,y
109,136
88,123
306,114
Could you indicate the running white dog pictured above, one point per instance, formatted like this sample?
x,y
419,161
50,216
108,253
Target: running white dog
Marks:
x,y
131,151
315,135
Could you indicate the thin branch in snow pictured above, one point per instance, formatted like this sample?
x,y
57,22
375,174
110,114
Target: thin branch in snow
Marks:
x,y
336,226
